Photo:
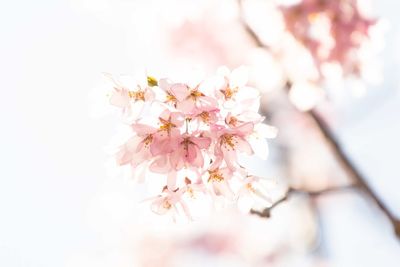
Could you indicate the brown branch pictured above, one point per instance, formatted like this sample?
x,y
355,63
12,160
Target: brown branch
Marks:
x,y
352,170
266,212
247,28
337,150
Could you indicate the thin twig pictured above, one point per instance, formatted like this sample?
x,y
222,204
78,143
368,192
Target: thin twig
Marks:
x,y
266,212
337,150
352,170
247,28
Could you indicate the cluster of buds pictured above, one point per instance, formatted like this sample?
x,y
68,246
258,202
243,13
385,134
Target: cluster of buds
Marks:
x,y
191,134
332,31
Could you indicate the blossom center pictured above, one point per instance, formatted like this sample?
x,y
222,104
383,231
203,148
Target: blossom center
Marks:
x,y
186,142
250,187
229,92
205,116
233,121
229,141
136,95
171,98
167,205
167,125
190,192
215,176
147,141
195,94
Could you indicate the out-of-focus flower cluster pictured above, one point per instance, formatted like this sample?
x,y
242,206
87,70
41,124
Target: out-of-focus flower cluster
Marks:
x,y
332,31
319,46
190,134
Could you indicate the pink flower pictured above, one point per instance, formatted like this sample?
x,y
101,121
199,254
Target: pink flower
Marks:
x,y
232,89
130,95
137,149
193,188
345,29
235,120
254,189
207,115
166,138
188,152
168,202
218,178
195,131
191,98
231,141
167,95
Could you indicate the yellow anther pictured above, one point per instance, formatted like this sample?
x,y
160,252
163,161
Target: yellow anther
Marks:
x,y
228,139
167,205
215,175
136,95
229,93
151,81
205,116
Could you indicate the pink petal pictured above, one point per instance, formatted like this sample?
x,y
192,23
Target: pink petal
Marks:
x,y
177,158
177,118
149,95
160,165
164,84
186,105
180,91
198,161
208,101
165,114
223,188
226,172
171,181
119,98
158,206
190,154
141,156
230,158
219,156
124,155
140,172
186,210
201,142
162,146
245,128
243,146
142,129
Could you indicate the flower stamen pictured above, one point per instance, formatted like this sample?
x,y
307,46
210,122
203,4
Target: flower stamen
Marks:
x,y
136,95
228,140
205,116
215,176
229,92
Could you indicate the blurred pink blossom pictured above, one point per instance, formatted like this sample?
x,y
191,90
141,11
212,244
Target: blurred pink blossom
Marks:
x,y
310,20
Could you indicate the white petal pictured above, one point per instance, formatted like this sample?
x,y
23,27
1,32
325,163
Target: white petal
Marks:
x,y
243,146
239,77
247,92
260,146
136,110
265,130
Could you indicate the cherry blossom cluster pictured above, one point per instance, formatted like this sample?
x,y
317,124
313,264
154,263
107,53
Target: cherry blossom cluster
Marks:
x,y
191,135
332,31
